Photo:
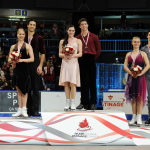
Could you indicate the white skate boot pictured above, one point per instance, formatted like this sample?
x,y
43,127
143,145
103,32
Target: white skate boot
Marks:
x,y
133,121
24,112
18,113
73,107
66,108
139,119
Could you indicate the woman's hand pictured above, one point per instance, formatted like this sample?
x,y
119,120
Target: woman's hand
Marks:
x,y
20,60
65,57
71,56
140,74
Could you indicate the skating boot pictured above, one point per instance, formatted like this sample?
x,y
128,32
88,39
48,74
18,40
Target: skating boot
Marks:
x,y
66,108
93,107
139,120
133,121
24,112
18,113
73,107
147,122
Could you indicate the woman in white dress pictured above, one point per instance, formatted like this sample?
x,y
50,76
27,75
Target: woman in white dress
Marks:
x,y
70,74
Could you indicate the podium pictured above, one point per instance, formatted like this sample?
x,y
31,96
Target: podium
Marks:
x,y
69,128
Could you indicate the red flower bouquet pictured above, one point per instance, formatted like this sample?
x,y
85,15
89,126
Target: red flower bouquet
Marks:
x,y
68,50
15,56
136,70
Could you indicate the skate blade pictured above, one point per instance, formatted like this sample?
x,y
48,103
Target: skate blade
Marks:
x,y
66,109
72,109
132,124
19,117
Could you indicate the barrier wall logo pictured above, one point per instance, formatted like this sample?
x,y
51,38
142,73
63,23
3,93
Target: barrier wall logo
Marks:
x,y
84,126
110,97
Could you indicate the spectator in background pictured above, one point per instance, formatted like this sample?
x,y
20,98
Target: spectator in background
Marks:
x,y
3,83
52,74
3,56
9,76
46,75
55,32
6,67
21,24
46,36
40,32
140,25
1,72
42,83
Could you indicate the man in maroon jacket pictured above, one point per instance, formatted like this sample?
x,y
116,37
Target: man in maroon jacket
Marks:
x,y
38,46
91,50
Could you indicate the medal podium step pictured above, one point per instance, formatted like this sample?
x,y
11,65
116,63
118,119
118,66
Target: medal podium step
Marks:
x,y
73,128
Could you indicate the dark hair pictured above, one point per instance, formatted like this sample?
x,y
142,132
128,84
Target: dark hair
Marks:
x,y
82,19
147,32
66,37
30,20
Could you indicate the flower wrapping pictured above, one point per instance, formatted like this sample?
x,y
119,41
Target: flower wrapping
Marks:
x,y
15,56
68,50
136,70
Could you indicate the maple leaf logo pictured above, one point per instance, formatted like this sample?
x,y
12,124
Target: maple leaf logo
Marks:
x,y
101,89
110,97
84,124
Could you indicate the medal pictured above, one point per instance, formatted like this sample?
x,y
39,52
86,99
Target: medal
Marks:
x,y
85,42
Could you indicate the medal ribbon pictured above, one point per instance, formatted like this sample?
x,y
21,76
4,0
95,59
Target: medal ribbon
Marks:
x,y
29,41
20,47
85,42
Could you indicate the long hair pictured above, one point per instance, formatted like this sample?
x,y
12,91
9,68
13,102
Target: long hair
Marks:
x,y
66,36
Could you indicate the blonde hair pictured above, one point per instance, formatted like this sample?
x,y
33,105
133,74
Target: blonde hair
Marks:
x,y
136,37
20,30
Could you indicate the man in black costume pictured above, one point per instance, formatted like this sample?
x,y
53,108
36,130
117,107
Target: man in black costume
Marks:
x,y
38,46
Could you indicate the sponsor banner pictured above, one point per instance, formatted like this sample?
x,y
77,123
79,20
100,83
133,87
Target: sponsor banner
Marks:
x,y
9,101
87,128
117,101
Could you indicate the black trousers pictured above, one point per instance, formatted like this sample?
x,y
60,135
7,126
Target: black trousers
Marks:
x,y
33,98
148,90
88,79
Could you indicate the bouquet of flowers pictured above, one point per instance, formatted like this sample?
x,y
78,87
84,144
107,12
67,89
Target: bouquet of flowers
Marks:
x,y
15,56
136,70
68,50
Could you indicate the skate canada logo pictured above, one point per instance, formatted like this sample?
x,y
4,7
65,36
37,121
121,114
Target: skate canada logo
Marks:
x,y
84,126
